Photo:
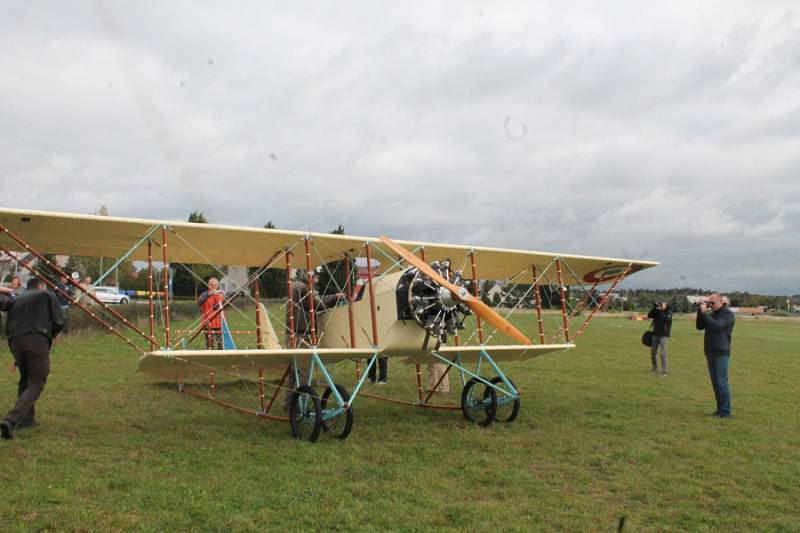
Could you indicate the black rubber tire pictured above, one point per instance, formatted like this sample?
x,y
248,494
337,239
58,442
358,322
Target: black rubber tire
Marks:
x,y
123,301
300,415
504,414
479,411
341,426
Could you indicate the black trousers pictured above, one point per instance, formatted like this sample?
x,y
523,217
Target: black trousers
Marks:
x,y
383,364
32,355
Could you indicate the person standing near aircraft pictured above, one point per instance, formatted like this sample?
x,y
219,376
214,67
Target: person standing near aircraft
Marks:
x,y
300,303
718,326
6,301
210,301
16,287
88,289
64,297
301,307
34,320
438,381
661,313
6,298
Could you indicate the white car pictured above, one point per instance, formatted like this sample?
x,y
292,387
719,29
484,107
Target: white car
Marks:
x,y
111,295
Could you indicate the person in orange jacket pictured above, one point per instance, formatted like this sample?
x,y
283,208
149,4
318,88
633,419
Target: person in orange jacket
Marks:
x,y
210,302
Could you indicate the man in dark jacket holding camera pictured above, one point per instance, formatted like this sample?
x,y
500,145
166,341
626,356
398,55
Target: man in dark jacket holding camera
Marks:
x,y
34,320
718,326
661,313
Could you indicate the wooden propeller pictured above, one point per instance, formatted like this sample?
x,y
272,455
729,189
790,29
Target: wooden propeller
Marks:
x,y
460,293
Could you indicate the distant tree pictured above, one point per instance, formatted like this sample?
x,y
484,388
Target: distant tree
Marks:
x,y
339,230
513,293
84,266
484,288
594,298
333,277
197,217
47,271
551,296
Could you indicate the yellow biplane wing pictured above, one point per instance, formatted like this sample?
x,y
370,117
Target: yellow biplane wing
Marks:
x,y
106,236
187,363
174,363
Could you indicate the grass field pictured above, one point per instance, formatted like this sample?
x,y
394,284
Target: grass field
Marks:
x,y
598,438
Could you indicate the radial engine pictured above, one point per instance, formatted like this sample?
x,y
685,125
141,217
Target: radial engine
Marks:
x,y
432,306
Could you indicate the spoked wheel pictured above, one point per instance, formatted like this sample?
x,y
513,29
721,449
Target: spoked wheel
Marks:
x,y
479,402
507,406
339,426
305,414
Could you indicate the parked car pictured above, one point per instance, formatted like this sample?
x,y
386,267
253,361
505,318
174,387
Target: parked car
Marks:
x,y
111,295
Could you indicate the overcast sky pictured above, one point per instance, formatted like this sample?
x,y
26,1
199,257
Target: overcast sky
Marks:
x,y
667,131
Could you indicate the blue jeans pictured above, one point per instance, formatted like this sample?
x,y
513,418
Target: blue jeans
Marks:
x,y
718,372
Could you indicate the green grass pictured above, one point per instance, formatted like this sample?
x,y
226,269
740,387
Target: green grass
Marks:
x,y
598,438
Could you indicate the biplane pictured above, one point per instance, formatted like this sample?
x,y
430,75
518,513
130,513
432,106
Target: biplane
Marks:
x,y
415,302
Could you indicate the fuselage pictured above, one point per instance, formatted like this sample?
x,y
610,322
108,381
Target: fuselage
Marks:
x,y
394,336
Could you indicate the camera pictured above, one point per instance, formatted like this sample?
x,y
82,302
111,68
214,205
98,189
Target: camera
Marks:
x,y
698,304
657,303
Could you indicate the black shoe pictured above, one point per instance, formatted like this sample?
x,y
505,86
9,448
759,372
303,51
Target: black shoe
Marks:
x,y
382,381
5,429
28,424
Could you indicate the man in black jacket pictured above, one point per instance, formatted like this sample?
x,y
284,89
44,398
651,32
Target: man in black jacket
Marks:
x,y
661,313
302,300
718,325
34,320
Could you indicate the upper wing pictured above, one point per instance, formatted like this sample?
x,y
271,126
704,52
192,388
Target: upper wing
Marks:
x,y
105,236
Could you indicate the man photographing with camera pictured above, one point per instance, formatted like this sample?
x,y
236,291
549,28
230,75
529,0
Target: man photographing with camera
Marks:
x,y
661,313
717,320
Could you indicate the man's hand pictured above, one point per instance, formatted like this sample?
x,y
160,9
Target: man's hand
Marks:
x,y
703,307
12,368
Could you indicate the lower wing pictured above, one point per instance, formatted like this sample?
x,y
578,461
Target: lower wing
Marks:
x,y
185,363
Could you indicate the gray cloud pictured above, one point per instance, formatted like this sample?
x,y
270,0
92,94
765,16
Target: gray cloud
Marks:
x,y
660,132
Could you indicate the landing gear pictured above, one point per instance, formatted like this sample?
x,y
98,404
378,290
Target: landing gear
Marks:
x,y
507,406
339,424
479,402
305,414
